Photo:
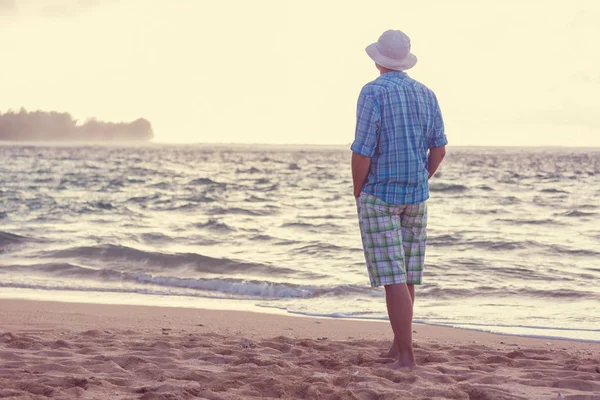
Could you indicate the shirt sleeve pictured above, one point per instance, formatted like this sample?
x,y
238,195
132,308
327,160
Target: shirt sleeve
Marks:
x,y
368,123
438,136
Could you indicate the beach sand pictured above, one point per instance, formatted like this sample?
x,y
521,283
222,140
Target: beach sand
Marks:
x,y
89,351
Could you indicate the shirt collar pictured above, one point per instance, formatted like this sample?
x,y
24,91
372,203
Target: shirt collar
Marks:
x,y
395,74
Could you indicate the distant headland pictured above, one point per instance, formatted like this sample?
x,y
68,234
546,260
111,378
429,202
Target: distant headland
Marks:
x,y
57,126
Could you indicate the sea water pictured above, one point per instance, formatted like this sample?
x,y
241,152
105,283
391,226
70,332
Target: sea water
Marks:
x,y
513,247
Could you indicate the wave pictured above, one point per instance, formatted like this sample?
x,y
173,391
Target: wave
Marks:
x,y
447,188
112,183
251,170
437,292
444,240
43,180
270,188
232,286
261,238
529,221
142,171
496,245
576,214
252,289
7,238
144,199
126,257
242,211
574,252
180,207
309,226
256,199
509,200
507,245
202,198
101,205
162,185
320,248
59,270
205,181
489,211
214,225
3,215
288,242
145,282
552,190
112,280
78,288
321,216
154,237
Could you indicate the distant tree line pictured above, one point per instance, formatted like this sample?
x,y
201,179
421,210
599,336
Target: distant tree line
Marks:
x,y
42,125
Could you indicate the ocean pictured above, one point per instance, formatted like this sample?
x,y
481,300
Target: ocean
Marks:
x,y
513,247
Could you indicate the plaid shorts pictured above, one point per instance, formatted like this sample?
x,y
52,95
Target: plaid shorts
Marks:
x,y
394,238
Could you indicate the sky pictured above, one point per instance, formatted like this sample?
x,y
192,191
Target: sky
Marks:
x,y
506,72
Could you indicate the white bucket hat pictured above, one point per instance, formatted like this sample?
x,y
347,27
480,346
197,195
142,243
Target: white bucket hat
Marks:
x,y
392,51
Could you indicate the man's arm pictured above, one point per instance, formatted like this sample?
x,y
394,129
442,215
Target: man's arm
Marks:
x,y
360,171
436,155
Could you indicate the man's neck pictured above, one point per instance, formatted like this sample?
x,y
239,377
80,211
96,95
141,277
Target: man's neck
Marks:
x,y
384,70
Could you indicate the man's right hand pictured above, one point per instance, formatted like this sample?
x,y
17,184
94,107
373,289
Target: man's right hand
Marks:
x,y
436,155
360,171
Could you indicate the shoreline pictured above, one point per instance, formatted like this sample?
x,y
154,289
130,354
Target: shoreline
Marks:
x,y
209,304
15,312
63,350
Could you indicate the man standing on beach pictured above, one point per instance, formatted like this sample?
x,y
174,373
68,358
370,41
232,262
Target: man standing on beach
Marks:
x,y
399,144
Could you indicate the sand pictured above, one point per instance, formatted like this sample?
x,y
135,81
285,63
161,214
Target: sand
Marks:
x,y
87,351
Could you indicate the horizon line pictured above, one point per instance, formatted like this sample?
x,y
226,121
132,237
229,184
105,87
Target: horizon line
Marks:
x,y
248,144
349,144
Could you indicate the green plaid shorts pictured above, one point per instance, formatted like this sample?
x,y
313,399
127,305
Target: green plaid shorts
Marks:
x,y
394,238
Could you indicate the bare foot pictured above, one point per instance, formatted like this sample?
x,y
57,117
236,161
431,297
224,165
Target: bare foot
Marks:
x,y
398,366
391,353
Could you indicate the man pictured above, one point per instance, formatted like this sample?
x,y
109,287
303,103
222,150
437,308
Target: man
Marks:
x,y
399,144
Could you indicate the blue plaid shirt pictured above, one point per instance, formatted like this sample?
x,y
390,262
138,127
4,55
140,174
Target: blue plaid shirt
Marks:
x,y
398,119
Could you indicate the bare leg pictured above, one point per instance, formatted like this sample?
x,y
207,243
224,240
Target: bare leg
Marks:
x,y
400,311
393,352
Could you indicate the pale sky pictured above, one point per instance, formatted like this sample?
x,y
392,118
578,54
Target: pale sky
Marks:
x,y
506,72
